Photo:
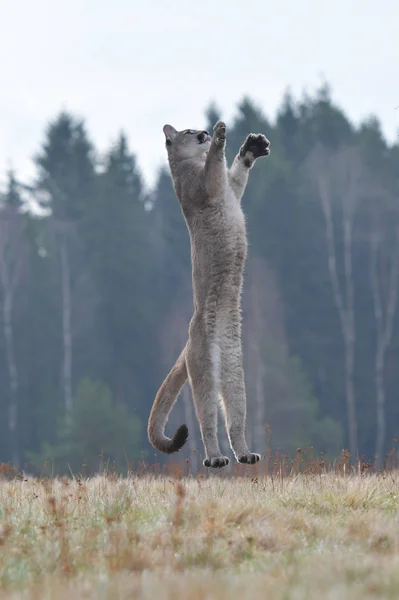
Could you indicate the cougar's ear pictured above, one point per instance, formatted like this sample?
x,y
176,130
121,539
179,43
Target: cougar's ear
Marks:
x,y
170,133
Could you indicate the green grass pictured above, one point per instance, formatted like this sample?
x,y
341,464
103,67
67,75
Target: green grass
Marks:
x,y
301,537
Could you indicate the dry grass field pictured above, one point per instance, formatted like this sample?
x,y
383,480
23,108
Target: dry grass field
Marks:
x,y
300,536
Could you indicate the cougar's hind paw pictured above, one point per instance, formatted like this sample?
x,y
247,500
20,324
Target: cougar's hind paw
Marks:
x,y
249,459
216,462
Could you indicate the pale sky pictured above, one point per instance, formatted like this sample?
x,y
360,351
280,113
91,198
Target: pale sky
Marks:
x,y
131,65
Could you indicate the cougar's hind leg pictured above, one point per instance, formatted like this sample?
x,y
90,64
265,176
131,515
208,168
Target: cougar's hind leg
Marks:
x,y
203,365
233,393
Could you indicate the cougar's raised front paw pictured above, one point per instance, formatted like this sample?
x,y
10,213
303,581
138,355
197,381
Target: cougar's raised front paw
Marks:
x,y
219,133
217,462
249,459
255,145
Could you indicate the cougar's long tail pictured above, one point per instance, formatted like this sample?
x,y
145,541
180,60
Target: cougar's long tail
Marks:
x,y
163,404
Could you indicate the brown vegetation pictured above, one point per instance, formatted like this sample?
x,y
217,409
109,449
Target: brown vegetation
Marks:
x,y
307,533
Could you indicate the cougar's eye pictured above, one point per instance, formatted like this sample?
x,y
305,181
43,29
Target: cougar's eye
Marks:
x,y
189,131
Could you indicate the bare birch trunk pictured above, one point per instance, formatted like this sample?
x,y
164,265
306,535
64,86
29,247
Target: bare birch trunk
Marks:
x,y
13,376
8,285
344,300
384,318
260,420
346,312
258,333
350,399
66,326
349,329
380,406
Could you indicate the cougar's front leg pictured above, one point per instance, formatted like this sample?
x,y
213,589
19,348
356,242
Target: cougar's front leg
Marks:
x,y
255,146
215,166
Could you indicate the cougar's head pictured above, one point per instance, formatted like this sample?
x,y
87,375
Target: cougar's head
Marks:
x,y
189,143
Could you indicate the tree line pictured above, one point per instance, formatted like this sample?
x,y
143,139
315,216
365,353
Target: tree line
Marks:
x,y
95,292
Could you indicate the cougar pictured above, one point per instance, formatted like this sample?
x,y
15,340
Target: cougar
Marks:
x,y
209,194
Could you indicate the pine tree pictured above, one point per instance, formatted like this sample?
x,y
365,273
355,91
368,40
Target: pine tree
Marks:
x,y
66,173
120,251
